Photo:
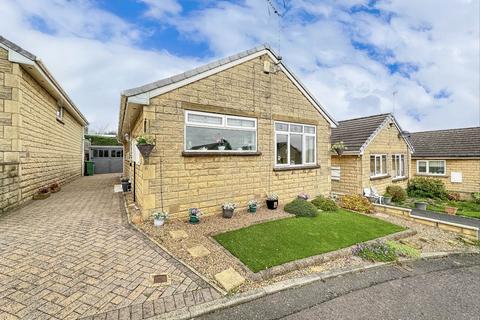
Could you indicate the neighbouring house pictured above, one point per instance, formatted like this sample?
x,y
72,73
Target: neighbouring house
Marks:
x,y
232,130
450,155
105,152
41,129
377,154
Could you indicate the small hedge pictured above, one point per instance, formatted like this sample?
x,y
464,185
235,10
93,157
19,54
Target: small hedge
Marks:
x,y
421,187
476,197
301,208
324,204
397,193
356,202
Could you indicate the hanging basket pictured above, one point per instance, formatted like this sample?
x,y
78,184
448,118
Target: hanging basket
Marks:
x,y
339,151
145,149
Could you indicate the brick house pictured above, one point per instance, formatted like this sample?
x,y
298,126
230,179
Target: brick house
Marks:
x,y
233,130
41,130
377,155
450,155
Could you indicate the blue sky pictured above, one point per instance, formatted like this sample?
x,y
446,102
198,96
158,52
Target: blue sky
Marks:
x,y
352,54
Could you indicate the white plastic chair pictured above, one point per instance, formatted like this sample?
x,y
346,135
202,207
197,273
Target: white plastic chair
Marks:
x,y
373,194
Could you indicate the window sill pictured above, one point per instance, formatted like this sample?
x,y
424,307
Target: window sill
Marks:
x,y
380,177
431,175
290,168
219,154
396,179
60,120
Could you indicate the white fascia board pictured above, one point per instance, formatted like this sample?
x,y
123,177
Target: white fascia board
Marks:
x,y
156,92
142,99
16,57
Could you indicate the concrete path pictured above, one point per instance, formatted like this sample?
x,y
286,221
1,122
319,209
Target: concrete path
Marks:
x,y
441,288
467,221
74,255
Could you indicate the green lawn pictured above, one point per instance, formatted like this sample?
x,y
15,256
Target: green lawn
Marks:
x,y
276,242
465,208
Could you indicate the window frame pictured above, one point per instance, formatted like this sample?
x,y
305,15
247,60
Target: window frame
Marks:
x,y
224,125
402,165
428,173
59,113
289,133
380,155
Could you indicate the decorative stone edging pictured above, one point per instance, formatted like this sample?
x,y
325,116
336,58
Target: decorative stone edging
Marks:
x,y
306,262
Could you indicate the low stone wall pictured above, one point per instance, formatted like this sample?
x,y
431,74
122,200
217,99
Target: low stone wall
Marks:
x,y
466,231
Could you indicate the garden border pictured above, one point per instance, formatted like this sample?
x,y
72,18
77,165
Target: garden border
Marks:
x,y
308,261
464,230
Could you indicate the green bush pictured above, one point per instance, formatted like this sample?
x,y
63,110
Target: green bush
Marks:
x,y
324,204
301,208
356,202
385,251
403,250
102,140
397,193
421,187
476,197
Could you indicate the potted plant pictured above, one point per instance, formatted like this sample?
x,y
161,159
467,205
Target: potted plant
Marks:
x,y
421,205
42,193
159,218
272,201
339,148
451,210
387,198
125,183
145,144
303,196
252,206
194,215
228,208
54,187
221,144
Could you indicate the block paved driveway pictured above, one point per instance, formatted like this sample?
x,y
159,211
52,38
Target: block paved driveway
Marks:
x,y
73,255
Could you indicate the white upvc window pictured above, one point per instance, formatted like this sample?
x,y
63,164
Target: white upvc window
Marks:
x,y
213,132
433,167
378,165
335,173
398,166
60,113
295,144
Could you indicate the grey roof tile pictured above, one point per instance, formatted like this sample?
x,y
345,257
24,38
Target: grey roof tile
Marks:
x,y
462,142
355,132
17,48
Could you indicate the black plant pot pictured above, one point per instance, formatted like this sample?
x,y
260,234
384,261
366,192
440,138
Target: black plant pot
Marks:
x,y
228,213
272,204
145,149
125,186
339,151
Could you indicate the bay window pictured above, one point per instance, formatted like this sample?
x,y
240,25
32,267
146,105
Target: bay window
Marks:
x,y
295,144
211,132
378,165
398,165
434,167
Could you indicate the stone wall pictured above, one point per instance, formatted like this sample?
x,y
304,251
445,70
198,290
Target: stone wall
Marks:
x,y
386,142
36,148
350,174
208,181
470,169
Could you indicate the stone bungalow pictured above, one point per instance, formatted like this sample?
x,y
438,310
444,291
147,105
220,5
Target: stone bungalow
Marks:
x,y
41,129
233,130
450,155
377,155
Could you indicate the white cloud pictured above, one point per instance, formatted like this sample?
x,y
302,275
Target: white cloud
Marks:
x,y
162,8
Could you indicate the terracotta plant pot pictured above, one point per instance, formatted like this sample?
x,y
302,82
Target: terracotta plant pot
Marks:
x,y
55,190
136,219
451,210
41,196
145,149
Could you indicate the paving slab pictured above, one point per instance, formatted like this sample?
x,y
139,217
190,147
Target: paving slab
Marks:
x,y
229,279
178,234
198,251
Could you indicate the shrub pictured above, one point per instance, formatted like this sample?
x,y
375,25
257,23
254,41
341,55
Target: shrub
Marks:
x,y
453,196
324,204
356,202
476,197
397,193
421,187
376,251
403,250
301,208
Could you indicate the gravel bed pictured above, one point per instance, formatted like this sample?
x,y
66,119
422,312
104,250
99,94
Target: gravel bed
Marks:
x,y
428,239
